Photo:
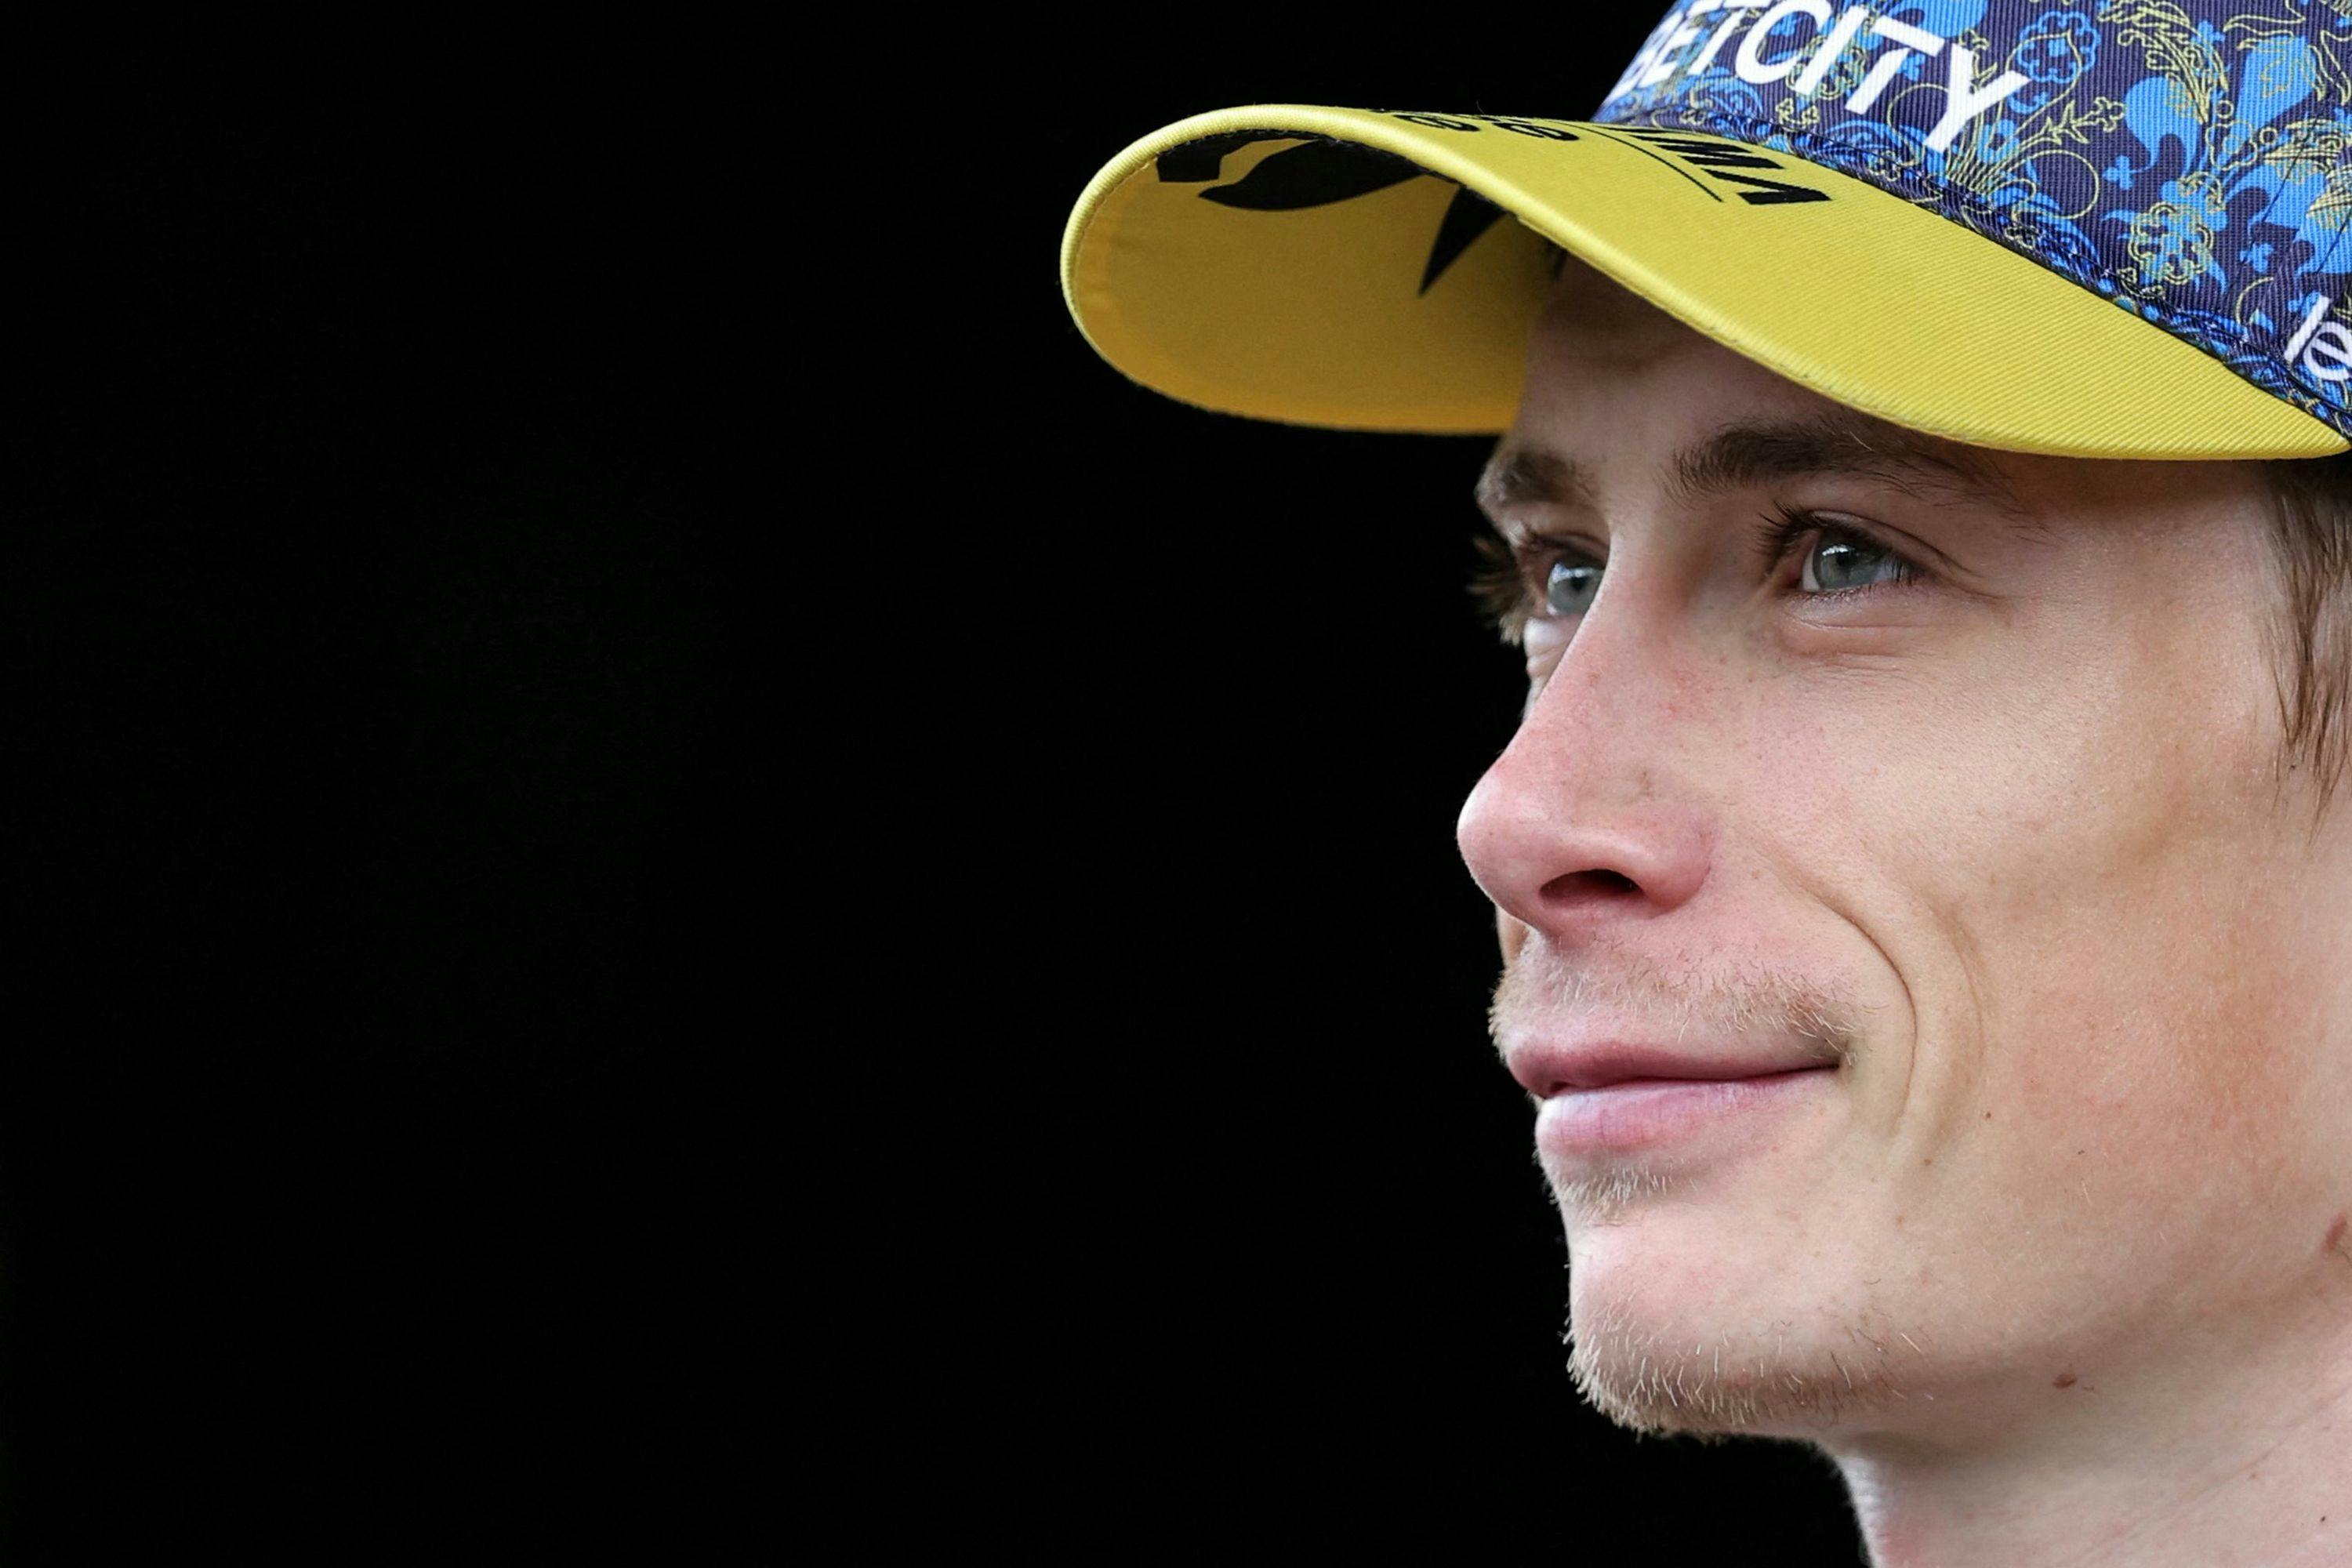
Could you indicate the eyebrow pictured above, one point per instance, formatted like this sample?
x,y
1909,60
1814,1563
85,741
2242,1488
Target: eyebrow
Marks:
x,y
1743,454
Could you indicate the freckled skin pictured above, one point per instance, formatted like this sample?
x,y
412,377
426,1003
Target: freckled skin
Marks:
x,y
2028,835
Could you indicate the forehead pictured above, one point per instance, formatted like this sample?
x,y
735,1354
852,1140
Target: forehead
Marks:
x,y
1589,312
1620,388
1596,343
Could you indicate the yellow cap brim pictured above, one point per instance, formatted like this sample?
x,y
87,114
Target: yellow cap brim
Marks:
x,y
1315,314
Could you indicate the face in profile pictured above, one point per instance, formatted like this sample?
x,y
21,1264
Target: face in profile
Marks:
x,y
1954,776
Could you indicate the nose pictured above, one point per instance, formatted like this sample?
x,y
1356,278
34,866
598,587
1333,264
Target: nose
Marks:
x,y
1588,816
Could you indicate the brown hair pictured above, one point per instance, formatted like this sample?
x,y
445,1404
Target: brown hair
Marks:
x,y
2311,540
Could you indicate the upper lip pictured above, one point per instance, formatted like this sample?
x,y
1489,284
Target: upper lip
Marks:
x,y
1546,1067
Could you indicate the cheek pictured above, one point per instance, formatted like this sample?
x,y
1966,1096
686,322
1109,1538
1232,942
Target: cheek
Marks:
x,y
2092,953
2138,1075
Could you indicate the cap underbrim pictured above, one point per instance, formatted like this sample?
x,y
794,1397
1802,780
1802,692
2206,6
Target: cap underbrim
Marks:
x,y
1343,290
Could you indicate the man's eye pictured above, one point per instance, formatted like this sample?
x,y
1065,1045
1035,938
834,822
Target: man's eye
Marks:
x,y
1568,587
1841,562
1837,559
1535,578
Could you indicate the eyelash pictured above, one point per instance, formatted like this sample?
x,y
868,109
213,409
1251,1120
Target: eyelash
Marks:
x,y
1508,581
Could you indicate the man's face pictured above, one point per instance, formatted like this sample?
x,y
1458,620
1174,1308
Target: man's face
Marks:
x,y
2005,836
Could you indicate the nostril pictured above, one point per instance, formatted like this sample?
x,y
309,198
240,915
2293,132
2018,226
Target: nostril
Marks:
x,y
1577,883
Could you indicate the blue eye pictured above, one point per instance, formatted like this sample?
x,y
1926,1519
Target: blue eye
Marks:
x,y
1568,587
1843,563
1837,557
1845,556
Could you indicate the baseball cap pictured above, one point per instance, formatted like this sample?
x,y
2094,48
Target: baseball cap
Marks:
x,y
2116,229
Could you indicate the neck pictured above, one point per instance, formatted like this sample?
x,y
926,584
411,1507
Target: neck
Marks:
x,y
2231,1444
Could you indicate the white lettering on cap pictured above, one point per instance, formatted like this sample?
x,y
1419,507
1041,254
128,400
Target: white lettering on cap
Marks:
x,y
1824,58
2319,341
1963,100
1887,67
1733,16
1750,61
1664,56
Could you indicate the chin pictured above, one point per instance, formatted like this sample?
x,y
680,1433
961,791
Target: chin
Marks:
x,y
1746,1379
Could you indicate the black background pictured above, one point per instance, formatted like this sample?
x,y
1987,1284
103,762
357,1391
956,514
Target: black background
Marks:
x,y
690,881
1258,1248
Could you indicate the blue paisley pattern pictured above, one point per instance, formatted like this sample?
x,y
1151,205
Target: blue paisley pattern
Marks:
x,y
2191,161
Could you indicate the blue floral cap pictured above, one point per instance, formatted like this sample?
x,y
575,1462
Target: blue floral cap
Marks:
x,y
2191,161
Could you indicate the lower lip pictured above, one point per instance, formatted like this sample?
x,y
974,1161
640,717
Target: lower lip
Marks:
x,y
1641,1113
